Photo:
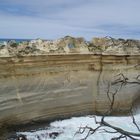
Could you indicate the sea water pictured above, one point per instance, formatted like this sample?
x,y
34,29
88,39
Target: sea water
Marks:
x,y
17,40
67,128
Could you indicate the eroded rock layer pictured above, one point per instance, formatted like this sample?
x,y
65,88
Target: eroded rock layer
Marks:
x,y
71,45
53,85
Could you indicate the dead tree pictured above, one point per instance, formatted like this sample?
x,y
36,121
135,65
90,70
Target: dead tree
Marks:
x,y
103,124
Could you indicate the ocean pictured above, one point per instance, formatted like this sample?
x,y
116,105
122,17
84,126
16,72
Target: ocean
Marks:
x,y
17,40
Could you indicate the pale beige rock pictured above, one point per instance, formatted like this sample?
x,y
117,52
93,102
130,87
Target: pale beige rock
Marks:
x,y
57,86
71,45
109,45
4,52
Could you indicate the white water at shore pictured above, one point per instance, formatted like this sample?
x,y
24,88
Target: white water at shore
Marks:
x,y
69,127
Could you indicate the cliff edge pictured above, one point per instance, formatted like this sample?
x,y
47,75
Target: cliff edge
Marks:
x,y
71,45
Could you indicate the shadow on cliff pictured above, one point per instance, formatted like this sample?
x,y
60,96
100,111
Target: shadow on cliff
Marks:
x,y
136,105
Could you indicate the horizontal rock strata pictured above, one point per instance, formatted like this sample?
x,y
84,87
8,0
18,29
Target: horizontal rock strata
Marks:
x,y
43,87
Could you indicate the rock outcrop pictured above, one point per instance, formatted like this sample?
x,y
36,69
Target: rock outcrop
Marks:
x,y
41,80
116,46
71,45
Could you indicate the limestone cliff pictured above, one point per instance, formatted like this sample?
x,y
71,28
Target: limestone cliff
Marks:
x,y
40,79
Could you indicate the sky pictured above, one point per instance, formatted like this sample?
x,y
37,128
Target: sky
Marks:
x,y
52,19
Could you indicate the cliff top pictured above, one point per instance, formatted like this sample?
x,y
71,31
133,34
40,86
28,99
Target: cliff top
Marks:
x,y
70,45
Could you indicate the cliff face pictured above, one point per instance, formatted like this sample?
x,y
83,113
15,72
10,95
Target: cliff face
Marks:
x,y
67,81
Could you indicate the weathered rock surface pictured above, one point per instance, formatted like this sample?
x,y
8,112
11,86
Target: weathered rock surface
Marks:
x,y
66,77
71,45
116,46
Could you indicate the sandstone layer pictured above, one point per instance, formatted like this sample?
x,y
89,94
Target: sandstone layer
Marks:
x,y
70,80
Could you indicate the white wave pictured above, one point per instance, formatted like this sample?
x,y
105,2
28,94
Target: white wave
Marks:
x,y
67,128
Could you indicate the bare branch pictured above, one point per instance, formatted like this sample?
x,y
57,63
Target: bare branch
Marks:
x,y
122,80
134,121
90,131
107,131
120,137
121,131
108,90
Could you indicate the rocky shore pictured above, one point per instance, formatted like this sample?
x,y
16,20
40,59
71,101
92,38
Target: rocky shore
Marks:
x,y
71,45
42,80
